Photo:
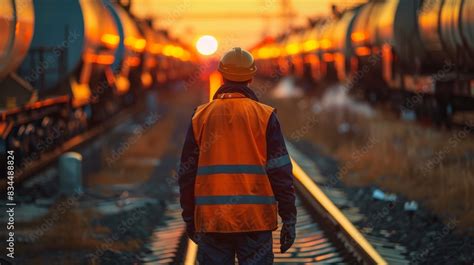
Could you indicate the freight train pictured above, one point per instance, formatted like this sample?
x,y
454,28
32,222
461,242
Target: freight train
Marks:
x,y
416,54
68,65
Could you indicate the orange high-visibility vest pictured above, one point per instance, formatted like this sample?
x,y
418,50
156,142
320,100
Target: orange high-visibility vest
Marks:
x,y
232,190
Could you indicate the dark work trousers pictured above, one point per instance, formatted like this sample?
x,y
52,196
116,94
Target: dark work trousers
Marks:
x,y
252,248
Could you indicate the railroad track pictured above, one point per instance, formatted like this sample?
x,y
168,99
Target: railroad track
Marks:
x,y
323,234
168,242
312,243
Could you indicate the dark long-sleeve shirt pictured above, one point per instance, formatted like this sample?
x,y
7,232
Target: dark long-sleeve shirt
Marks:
x,y
279,171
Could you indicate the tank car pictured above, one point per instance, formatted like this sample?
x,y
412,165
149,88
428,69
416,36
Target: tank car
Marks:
x,y
292,51
310,46
392,50
17,20
264,53
447,36
366,63
444,28
341,41
86,61
327,50
127,68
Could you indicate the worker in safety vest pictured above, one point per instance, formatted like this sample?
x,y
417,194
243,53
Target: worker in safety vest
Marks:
x,y
235,173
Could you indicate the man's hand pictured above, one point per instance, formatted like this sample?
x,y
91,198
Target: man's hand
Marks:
x,y
287,237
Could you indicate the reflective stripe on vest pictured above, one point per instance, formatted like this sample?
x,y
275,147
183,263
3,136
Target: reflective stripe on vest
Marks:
x,y
231,169
232,189
236,199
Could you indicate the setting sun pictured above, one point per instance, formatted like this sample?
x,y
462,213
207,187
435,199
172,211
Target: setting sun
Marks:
x,y
206,45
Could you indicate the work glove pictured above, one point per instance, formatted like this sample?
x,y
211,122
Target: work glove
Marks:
x,y
287,237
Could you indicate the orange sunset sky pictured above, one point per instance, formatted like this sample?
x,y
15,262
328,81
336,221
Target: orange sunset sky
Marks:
x,y
232,22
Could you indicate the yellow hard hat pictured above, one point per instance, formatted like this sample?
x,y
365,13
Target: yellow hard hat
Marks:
x,y
237,65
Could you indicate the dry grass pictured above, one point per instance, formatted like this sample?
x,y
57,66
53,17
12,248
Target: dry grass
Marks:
x,y
431,166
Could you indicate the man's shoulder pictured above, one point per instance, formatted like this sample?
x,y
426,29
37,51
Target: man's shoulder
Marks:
x,y
261,106
202,106
266,107
199,109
